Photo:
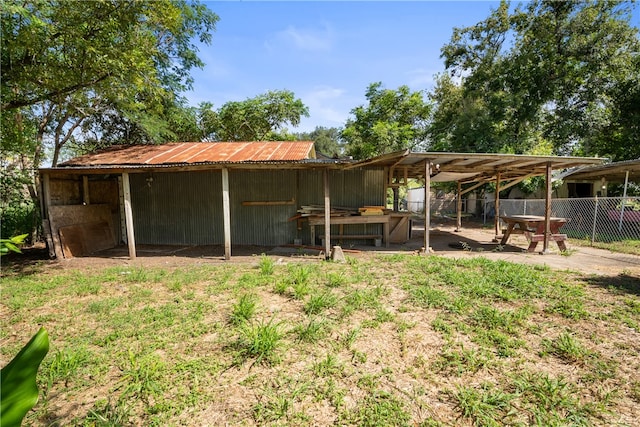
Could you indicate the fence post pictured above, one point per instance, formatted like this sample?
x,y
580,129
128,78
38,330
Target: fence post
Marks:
x,y
595,217
624,199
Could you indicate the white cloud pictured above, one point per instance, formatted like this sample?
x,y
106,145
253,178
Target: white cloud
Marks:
x,y
305,39
421,78
328,107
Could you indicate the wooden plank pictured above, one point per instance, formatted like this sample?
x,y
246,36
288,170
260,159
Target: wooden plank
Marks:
x,y
373,219
400,231
269,203
540,237
356,236
55,238
46,228
317,248
85,239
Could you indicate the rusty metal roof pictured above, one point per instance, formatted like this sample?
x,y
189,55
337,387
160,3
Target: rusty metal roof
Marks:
x,y
188,153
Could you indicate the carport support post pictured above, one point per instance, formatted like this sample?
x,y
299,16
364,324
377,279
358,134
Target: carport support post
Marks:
x,y
459,208
547,211
226,214
128,215
427,205
496,218
327,215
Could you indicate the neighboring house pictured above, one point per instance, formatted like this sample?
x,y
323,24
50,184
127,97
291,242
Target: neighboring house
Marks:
x,y
592,181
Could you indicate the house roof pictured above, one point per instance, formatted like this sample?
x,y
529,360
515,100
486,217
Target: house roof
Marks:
x,y
613,172
472,167
193,153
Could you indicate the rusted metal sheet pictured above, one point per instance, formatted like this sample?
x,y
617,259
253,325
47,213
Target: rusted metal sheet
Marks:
x,y
198,152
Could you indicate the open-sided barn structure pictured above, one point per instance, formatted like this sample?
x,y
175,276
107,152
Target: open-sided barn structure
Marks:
x,y
247,193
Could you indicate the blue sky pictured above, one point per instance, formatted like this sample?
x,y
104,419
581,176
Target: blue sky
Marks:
x,y
326,52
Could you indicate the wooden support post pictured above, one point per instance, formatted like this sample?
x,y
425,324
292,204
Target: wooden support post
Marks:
x,y
226,213
547,211
86,199
50,228
386,186
128,214
327,215
396,201
459,208
427,205
496,220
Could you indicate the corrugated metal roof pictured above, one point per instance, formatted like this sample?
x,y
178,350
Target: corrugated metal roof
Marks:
x,y
613,172
473,167
197,153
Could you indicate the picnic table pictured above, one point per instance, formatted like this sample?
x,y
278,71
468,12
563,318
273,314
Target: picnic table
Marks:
x,y
533,228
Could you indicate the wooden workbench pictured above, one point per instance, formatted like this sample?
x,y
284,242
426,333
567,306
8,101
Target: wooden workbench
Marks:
x,y
356,219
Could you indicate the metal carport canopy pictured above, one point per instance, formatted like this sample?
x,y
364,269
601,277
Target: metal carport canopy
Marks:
x,y
473,167
469,168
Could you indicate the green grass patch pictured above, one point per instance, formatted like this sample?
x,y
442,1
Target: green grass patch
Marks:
x,y
374,341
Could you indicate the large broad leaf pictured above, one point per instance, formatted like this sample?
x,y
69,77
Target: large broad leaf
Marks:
x,y
12,244
18,380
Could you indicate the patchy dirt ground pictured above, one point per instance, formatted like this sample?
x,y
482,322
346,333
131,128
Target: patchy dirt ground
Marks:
x,y
472,241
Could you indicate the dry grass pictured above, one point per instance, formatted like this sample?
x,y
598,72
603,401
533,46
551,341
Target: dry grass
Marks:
x,y
389,340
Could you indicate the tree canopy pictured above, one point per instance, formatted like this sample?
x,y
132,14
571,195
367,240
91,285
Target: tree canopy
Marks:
x,y
261,118
63,63
327,140
561,75
393,120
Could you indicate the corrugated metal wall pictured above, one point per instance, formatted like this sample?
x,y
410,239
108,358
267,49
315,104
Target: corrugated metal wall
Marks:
x,y
262,225
172,208
186,207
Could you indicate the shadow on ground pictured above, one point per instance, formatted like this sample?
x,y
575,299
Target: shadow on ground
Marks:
x,y
623,283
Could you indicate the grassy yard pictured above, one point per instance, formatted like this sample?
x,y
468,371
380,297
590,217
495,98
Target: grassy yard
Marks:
x,y
386,340
624,246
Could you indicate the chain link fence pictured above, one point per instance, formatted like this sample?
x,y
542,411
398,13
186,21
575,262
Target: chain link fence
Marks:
x,y
440,206
600,219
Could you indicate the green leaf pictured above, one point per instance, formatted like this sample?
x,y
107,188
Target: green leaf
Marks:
x,y
18,380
